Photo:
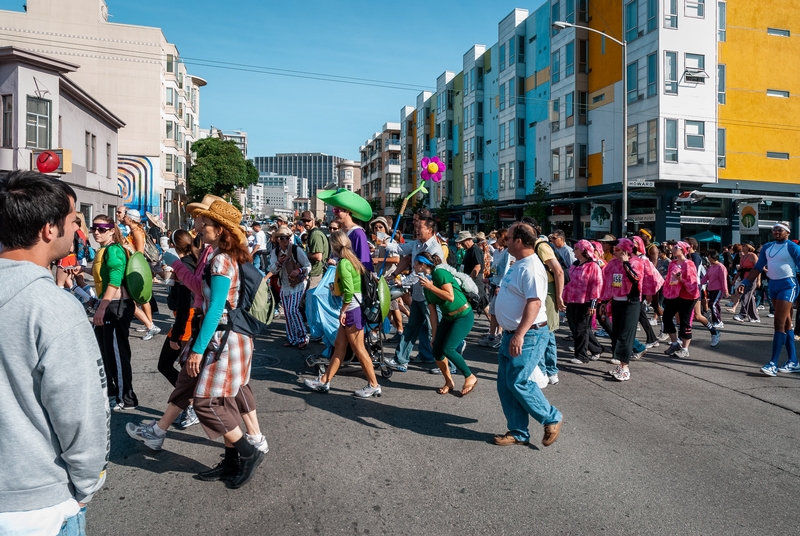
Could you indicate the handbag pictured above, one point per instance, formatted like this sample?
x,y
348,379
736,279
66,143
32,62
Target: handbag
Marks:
x,y
290,265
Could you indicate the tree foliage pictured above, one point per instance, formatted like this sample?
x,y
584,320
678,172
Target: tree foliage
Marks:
x,y
537,208
488,213
219,169
377,209
442,214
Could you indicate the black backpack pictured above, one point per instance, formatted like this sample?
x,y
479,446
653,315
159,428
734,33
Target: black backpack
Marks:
x,y
370,302
563,264
255,305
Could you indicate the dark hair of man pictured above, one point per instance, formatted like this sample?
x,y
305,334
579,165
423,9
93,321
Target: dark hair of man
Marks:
x,y
559,233
533,224
423,213
692,242
435,259
102,218
524,232
713,255
429,222
28,201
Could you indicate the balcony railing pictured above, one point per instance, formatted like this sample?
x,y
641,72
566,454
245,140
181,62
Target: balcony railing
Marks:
x,y
393,162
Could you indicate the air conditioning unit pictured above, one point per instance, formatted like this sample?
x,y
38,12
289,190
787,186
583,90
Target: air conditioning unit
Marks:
x,y
64,157
639,97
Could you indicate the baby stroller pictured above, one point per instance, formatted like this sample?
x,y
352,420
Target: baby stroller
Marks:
x,y
323,317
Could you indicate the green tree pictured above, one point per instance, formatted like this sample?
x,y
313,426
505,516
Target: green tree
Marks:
x,y
537,208
488,213
376,206
442,214
219,169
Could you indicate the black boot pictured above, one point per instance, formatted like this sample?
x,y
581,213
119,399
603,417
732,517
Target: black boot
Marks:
x,y
247,468
225,470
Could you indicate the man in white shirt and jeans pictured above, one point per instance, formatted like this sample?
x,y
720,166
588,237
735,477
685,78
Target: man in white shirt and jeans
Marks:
x,y
520,312
259,248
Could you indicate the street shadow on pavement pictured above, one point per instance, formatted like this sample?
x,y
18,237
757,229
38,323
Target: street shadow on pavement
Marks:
x,y
423,422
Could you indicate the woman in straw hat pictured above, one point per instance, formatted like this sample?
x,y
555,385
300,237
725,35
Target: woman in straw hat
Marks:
x,y
290,263
219,360
351,320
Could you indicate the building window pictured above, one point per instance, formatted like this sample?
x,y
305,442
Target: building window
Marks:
x,y
652,142
777,156
570,11
521,175
583,55
8,120
652,15
168,163
570,108
721,84
170,97
91,152
722,21
502,54
480,113
109,162
671,140
170,130
670,73
583,10
520,132
556,164
721,159
695,135
511,51
510,175
555,116
555,14
778,93
631,21
569,161
512,138
695,62
570,66
178,167
479,180
37,124
696,8
555,75
472,149
502,96
501,180
582,160
652,75
633,145
170,63
670,13
521,51
511,92
479,145
583,106
633,82
778,32
502,136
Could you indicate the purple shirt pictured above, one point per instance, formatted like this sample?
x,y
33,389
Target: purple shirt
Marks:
x,y
358,239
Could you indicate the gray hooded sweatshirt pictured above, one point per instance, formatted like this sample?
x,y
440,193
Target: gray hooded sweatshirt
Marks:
x,y
53,407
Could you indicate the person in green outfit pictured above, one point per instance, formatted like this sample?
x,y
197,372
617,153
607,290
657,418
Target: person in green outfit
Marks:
x,y
443,290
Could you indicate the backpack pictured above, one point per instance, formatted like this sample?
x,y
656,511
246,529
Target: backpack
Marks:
x,y
151,251
370,302
468,286
563,264
255,305
452,259
138,278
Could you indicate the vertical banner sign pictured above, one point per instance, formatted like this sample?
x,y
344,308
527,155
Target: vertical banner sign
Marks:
x,y
748,219
600,218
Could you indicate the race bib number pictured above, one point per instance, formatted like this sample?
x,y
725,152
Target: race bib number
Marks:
x,y
616,281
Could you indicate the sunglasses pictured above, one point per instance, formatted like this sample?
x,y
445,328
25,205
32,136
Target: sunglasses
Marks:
x,y
337,210
96,229
283,238
307,221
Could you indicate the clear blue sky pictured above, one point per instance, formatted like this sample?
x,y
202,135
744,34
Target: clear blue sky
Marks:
x,y
409,42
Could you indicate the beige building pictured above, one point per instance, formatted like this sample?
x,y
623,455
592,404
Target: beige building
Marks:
x,y
380,168
138,75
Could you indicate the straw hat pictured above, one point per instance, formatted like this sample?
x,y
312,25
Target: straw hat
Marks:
x,y
283,230
225,215
153,219
208,199
380,219
607,238
463,235
480,236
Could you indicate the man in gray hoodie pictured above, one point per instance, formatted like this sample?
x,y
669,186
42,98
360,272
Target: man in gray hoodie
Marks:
x,y
55,415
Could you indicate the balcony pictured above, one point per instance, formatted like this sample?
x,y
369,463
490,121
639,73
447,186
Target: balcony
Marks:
x,y
392,141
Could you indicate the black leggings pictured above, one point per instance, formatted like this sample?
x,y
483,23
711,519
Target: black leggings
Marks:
x,y
684,308
623,327
166,362
585,341
112,337
644,321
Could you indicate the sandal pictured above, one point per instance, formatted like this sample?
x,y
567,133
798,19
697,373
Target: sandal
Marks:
x,y
445,390
287,344
302,345
467,389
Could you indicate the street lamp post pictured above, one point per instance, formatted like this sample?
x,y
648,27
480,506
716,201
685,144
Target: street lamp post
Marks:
x,y
562,25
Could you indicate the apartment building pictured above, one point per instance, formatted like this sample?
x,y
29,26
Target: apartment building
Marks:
x,y
318,168
138,75
44,109
381,177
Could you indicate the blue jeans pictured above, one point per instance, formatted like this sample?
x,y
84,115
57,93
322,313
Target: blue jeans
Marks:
x,y
75,525
520,396
550,362
419,326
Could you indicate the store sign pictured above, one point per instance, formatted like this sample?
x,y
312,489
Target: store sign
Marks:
x,y
748,218
600,218
469,218
641,184
642,218
506,215
704,220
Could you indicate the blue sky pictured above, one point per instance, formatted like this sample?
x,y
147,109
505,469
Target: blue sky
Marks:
x,y
408,42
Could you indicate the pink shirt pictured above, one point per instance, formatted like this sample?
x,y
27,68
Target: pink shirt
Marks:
x,y
652,280
716,277
585,283
615,280
194,280
681,281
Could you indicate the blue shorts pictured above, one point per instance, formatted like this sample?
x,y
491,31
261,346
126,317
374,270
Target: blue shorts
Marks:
x,y
783,289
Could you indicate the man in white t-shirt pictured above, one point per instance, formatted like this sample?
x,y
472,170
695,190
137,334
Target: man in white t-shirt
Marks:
x,y
259,248
521,313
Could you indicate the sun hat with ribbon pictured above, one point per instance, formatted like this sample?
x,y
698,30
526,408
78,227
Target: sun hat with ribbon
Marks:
x,y
226,215
463,235
208,199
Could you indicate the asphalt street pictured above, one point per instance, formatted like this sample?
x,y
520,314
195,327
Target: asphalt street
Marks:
x,y
703,445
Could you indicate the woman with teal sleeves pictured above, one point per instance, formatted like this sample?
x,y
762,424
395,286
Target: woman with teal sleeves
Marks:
x,y
442,289
347,284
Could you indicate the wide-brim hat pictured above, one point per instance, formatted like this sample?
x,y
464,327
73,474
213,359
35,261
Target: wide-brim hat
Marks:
x,y
344,198
153,219
205,204
607,238
225,215
380,219
480,236
282,231
463,235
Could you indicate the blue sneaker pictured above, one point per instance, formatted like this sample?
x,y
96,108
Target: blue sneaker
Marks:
x,y
769,370
790,366
601,333
394,365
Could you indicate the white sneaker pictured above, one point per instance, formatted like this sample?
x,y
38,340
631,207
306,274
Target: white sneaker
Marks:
x,y
653,322
790,366
755,320
316,385
552,380
654,344
683,352
740,318
145,433
719,325
615,361
715,339
155,330
663,337
368,391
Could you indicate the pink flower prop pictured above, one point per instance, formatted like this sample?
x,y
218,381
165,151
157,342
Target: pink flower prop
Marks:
x,y
432,169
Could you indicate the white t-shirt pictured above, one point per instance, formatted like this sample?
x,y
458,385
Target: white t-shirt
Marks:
x,y
261,241
42,521
525,279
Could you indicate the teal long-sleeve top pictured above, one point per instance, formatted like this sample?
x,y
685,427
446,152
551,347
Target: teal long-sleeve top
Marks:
x,y
220,285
